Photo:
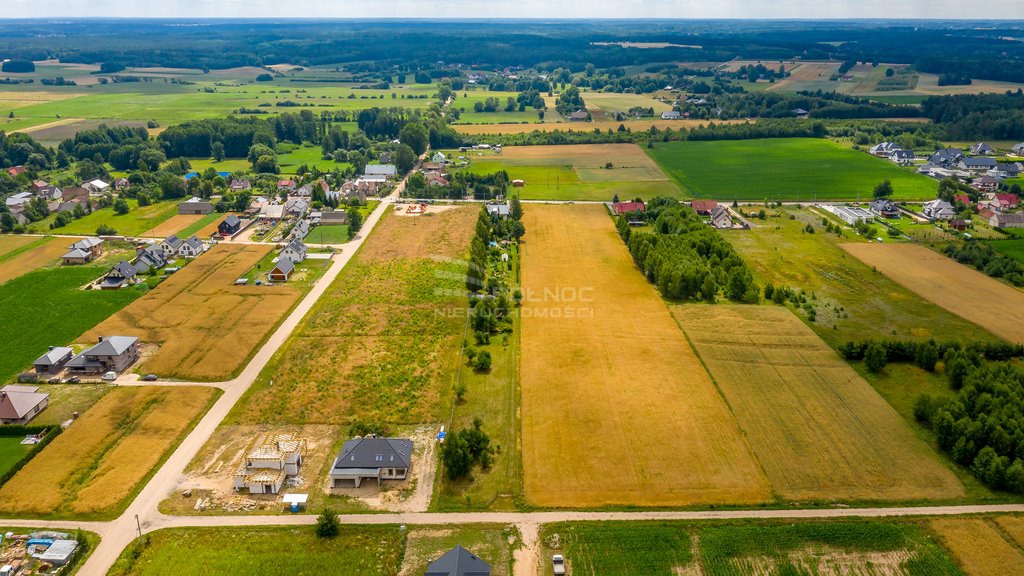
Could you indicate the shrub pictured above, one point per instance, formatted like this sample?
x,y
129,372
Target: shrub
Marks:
x,y
874,357
327,524
482,362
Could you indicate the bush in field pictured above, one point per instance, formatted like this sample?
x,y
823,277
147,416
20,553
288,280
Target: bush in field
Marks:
x,y
327,524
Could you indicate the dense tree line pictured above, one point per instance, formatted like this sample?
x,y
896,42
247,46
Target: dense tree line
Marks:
x,y
687,259
976,116
986,259
908,350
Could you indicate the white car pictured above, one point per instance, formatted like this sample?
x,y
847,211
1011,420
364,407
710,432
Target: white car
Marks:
x,y
109,376
558,564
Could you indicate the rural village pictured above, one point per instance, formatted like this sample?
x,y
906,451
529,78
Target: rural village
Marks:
x,y
386,300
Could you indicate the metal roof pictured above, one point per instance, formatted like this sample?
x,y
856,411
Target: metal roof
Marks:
x,y
458,562
372,452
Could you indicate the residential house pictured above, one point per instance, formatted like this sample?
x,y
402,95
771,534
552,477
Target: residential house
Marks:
x,y
15,171
371,457
122,184
170,246
294,251
296,207
800,112
902,157
1005,220
230,225
439,158
627,207
499,209
282,271
852,215
885,209
385,157
39,185
720,217
272,212
84,251
286,185
671,115
110,354
53,361
579,116
334,217
119,276
977,165
240,184
428,167
981,149
195,206
49,193
1006,201
268,465
458,562
304,191
963,199
191,248
946,157
150,258
17,202
385,170
703,207
436,179
938,209
96,187
300,230
20,404
885,149
1018,149
985,184
1006,170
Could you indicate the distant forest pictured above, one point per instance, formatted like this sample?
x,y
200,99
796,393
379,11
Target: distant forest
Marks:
x,y
981,50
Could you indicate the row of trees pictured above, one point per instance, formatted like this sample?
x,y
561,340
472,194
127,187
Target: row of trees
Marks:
x,y
986,259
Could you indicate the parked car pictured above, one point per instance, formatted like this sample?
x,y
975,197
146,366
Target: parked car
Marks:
x,y
54,380
558,564
109,376
72,380
149,378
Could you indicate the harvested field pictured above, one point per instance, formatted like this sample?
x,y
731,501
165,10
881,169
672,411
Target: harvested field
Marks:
x,y
53,133
173,225
580,172
634,125
839,439
95,466
379,343
951,285
978,547
215,344
1012,527
39,254
9,243
659,435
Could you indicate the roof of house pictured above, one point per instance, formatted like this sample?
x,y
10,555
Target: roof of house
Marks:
x,y
1008,218
17,401
383,169
625,207
173,241
53,355
458,562
903,153
112,346
979,162
720,210
125,269
231,220
86,243
883,205
76,253
284,265
374,452
195,243
296,245
703,205
499,209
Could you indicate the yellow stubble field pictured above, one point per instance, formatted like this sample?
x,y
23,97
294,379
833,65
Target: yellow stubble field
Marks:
x,y
616,408
817,428
978,546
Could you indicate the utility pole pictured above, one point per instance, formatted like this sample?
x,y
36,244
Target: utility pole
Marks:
x,y
139,526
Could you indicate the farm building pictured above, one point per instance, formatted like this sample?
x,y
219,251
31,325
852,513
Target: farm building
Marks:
x,y
195,205
938,210
499,209
119,276
267,466
386,170
671,115
294,251
282,271
721,218
191,248
111,353
49,193
371,457
83,251
230,225
96,187
54,360
458,562
579,116
885,209
517,183
627,207
58,553
20,404
272,211
852,215
334,217
703,207
1003,220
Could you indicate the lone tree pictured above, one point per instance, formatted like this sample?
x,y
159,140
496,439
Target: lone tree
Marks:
x,y
327,524
355,222
883,190
874,357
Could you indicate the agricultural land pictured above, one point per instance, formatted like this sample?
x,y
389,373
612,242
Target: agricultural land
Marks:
x,y
839,438
585,308
800,169
23,254
953,286
101,461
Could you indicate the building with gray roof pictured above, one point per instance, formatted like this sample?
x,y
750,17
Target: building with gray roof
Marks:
x,y
458,562
110,354
371,457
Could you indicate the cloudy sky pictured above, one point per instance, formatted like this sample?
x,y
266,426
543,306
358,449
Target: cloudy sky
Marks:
x,y
948,9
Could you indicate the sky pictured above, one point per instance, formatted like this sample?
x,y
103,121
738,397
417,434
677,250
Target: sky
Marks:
x,y
946,9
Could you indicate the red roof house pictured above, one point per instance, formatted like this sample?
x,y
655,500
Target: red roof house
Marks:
x,y
964,198
1007,201
627,207
703,207
14,171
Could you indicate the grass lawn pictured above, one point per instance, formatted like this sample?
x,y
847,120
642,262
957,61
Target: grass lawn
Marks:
x,y
66,399
139,220
310,156
783,169
337,233
1012,248
231,165
31,323
364,550
11,450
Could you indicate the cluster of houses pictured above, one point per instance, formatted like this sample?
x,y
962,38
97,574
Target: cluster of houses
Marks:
x,y
148,257
57,199
976,165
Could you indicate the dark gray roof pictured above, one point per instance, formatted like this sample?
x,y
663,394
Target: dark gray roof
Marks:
x,y
173,241
458,562
86,243
232,220
372,452
194,242
297,246
125,269
285,265
980,162
112,346
52,356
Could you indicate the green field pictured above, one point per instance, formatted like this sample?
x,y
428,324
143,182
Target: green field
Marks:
x,y
783,169
1012,248
30,323
12,450
337,233
135,222
725,549
364,550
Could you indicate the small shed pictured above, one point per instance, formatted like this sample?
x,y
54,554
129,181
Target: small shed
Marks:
x,y
59,553
282,271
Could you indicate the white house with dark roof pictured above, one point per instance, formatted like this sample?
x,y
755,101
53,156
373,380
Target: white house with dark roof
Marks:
x,y
119,276
170,246
191,248
373,458
20,404
1018,149
294,251
981,148
111,353
938,209
150,257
